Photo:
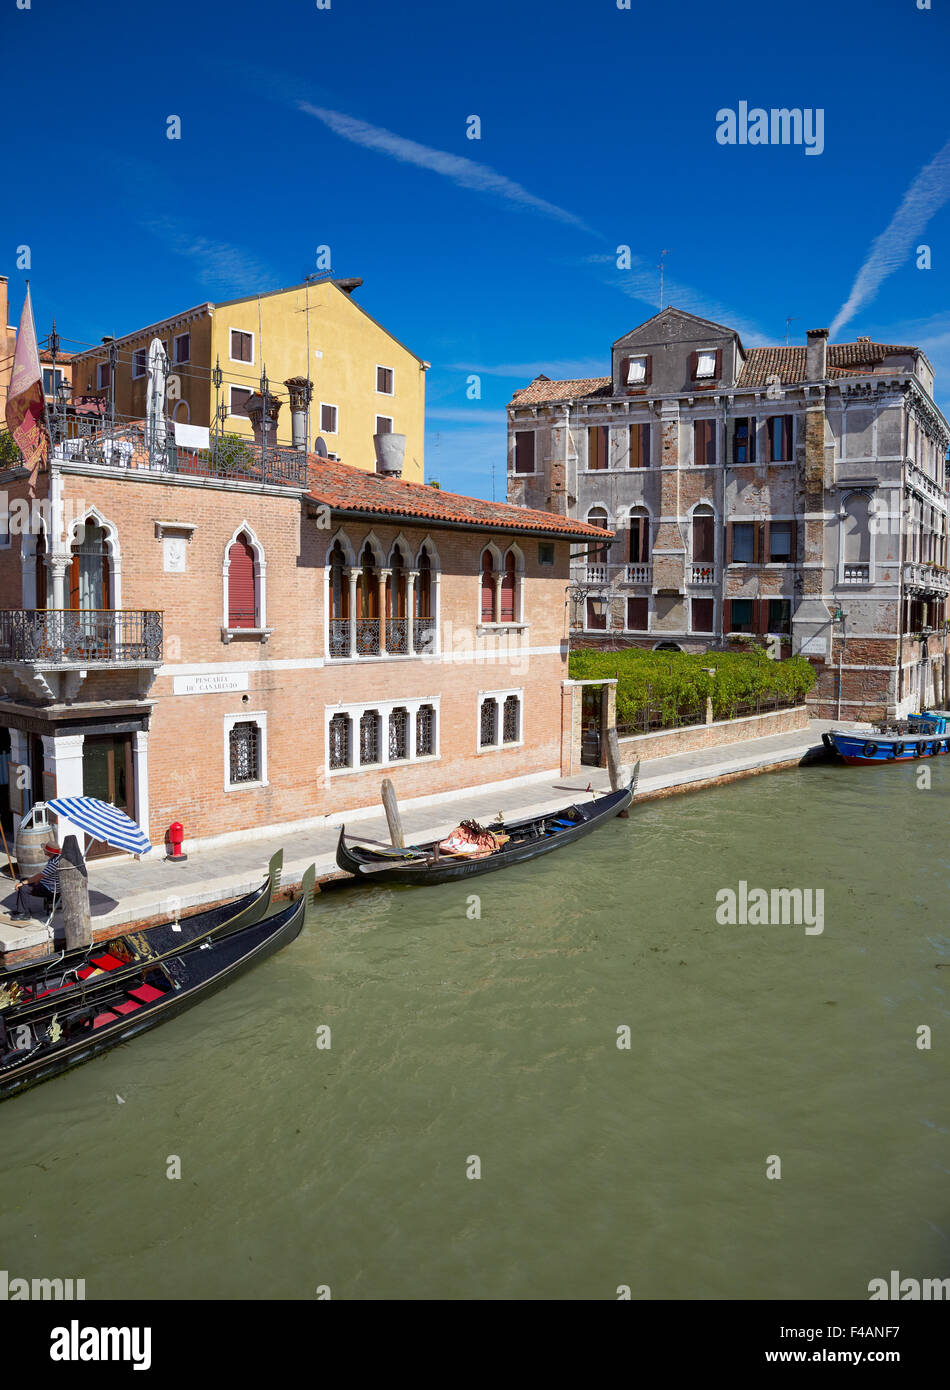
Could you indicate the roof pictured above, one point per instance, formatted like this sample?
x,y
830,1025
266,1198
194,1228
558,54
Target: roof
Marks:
x,y
344,488
542,390
788,363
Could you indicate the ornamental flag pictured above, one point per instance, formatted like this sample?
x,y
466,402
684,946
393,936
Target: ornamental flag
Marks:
x,y
26,407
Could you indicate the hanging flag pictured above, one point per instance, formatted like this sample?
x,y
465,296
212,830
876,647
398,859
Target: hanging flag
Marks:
x,y
26,407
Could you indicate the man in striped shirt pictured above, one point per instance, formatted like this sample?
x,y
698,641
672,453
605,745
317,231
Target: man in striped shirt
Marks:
x,y
45,883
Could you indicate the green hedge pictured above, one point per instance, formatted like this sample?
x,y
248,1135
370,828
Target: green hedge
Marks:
x,y
675,684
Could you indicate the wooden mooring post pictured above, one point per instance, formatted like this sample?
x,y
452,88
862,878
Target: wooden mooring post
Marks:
x,y
614,765
393,818
74,895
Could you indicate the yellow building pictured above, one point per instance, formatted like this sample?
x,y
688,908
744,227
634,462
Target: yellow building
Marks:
x,y
365,381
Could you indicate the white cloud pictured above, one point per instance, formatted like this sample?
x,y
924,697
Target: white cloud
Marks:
x,y
557,370
220,267
461,416
464,172
642,282
925,196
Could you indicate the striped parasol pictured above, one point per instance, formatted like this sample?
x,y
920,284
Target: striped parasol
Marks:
x,y
102,822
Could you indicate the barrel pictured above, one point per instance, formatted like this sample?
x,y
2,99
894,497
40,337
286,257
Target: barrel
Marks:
x,y
30,855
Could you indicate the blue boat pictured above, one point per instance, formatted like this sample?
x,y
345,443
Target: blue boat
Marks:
x,y
924,735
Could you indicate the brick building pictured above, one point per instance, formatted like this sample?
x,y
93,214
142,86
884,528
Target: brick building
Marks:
x,y
259,647
798,492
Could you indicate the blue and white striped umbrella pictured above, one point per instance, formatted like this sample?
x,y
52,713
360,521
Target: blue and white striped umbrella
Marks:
x,y
102,822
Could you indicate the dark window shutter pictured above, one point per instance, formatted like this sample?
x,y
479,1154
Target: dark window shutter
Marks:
x,y
787,423
729,547
758,543
74,583
718,363
649,372
753,431
624,369
766,542
488,589
645,446
693,364
106,580
793,542
762,617
508,590
241,606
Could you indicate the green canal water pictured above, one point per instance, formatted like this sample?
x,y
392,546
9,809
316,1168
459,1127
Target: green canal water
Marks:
x,y
496,1037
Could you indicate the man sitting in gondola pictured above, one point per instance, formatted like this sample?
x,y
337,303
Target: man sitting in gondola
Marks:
x,y
44,884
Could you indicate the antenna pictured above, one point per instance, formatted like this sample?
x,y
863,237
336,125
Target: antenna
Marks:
x,y
789,319
660,267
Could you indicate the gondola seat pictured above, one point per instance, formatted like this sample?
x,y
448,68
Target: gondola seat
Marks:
x,y
147,994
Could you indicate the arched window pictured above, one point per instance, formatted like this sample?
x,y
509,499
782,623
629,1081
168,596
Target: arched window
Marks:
x,y
339,584
341,746
425,731
42,572
397,631
639,528
508,589
511,719
242,586
90,571
369,737
489,613
398,734
320,447
856,539
598,555
704,534
423,595
367,617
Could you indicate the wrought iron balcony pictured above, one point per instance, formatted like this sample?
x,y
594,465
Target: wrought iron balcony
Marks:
x,y
67,637
339,636
367,637
397,636
423,635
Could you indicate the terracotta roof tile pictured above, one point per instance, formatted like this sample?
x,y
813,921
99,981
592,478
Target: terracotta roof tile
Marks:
x,y
346,489
788,363
542,390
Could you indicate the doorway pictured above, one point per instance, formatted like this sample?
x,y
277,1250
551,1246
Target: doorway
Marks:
x,y
107,774
592,707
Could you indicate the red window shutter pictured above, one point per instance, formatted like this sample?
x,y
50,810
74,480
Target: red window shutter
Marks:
x,y
241,604
718,363
488,589
508,591
106,581
624,369
693,364
649,372
762,623
74,583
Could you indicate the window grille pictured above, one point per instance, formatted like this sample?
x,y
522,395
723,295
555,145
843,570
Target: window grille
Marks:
x,y
425,731
398,735
489,716
511,719
340,727
245,746
369,737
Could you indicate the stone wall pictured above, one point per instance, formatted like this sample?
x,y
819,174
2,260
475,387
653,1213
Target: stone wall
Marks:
x,y
694,737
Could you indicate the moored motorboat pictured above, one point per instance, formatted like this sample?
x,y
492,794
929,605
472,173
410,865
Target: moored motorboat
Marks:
x,y
473,849
73,1029
23,989
924,735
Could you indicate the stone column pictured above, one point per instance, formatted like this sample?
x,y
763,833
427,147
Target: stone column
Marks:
x,y
58,564
62,755
300,390
383,576
140,776
20,758
410,611
498,576
353,575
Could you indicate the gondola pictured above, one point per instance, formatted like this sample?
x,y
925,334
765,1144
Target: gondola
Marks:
x,y
520,841
73,1030
25,989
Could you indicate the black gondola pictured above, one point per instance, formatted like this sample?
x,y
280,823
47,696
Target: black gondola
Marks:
x,y
25,990
524,840
73,1030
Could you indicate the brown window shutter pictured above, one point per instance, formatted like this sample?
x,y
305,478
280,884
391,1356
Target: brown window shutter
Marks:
x,y
793,542
758,543
729,547
649,372
693,363
488,588
718,363
624,369
508,590
645,446
241,605
752,424
766,543
763,616
74,583
106,581
768,439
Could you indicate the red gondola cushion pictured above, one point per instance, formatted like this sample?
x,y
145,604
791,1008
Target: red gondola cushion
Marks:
x,y
107,962
146,993
101,1019
128,1006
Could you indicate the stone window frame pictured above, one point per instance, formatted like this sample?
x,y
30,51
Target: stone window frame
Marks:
x,y
354,711
260,630
328,405
248,333
258,717
499,697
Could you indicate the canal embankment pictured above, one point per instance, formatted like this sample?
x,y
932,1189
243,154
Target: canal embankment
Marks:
x,y
125,892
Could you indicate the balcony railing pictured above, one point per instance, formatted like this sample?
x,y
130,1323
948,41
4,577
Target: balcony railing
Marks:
x,y
339,636
638,574
121,443
367,637
702,574
423,635
597,574
929,579
856,574
58,636
397,636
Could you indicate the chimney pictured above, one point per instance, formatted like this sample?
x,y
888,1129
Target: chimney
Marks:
x,y
816,354
4,304
300,390
390,451
256,414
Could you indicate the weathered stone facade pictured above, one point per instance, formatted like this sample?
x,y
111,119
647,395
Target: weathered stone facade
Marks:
x,y
792,493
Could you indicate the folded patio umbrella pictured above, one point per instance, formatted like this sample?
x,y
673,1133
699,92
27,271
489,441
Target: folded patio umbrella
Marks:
x,y
102,822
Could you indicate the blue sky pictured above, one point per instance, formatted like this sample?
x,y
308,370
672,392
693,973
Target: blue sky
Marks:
x,y
347,127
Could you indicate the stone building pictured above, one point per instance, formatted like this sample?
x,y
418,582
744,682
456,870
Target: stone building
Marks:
x,y
797,494
247,644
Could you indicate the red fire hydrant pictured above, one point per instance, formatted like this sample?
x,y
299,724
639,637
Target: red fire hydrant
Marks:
x,y
173,838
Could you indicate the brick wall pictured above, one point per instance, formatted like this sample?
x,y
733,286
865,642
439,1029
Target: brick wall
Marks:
x,y
665,742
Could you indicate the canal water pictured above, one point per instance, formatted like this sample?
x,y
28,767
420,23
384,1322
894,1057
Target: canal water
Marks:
x,y
462,1041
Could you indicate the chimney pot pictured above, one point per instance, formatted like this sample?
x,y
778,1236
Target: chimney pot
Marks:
x,y
816,354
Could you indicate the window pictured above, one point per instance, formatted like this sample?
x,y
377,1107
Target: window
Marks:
x,y
341,735
52,380
779,435
369,738
597,614
598,554
244,745
384,424
597,444
743,544
639,525
488,723
636,371
425,731
743,439
704,534
240,396
511,719
545,552
640,446
524,451
139,363
741,615
327,419
384,381
781,542
242,346
705,365
242,587
103,376
780,615
704,443
183,347
704,614
398,734
489,614
509,583
638,614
